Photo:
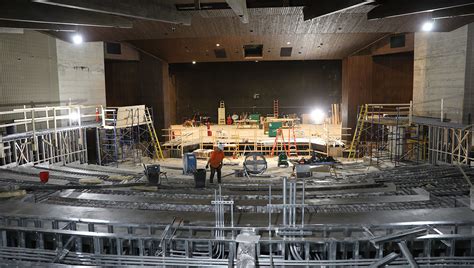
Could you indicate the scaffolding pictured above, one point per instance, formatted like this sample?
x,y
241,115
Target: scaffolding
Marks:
x,y
46,134
127,134
392,132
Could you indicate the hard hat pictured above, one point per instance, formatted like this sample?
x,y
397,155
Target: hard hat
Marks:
x,y
220,146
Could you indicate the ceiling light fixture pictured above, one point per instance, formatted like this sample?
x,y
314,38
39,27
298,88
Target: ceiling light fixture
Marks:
x,y
77,39
218,45
427,26
194,62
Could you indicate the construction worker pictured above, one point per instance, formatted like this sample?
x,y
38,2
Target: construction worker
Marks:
x,y
215,161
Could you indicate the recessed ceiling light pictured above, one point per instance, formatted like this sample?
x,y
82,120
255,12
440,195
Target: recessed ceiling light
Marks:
x,y
194,62
427,26
288,43
77,39
218,45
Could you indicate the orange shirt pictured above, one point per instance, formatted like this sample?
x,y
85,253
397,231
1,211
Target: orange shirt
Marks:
x,y
216,158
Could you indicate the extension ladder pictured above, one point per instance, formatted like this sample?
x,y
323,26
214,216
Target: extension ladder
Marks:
x,y
276,108
153,136
358,131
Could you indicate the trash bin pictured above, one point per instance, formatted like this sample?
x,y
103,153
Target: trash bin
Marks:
x,y
44,176
200,178
153,174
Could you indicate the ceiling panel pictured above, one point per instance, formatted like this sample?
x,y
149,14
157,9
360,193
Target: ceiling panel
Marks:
x,y
341,33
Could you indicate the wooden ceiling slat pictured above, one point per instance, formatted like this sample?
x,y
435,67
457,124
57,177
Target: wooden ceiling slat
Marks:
x,y
341,33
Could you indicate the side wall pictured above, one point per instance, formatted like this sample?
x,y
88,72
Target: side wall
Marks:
x,y
141,82
28,70
36,69
440,72
375,79
357,78
81,73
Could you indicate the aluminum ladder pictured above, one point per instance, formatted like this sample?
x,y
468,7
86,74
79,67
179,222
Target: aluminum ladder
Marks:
x,y
153,136
358,131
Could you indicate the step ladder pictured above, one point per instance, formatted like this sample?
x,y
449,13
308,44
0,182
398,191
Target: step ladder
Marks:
x,y
153,136
282,143
363,111
276,108
292,148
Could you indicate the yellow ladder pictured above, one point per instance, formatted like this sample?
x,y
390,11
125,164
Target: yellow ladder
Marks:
x,y
153,136
358,131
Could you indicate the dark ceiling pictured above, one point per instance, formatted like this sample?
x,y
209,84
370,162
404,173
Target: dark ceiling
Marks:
x,y
187,30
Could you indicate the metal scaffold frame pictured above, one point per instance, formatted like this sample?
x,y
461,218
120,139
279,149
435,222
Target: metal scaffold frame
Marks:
x,y
127,133
46,134
391,132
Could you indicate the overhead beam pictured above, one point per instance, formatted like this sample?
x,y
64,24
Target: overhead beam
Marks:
x,y
397,8
140,9
453,12
240,9
37,13
11,30
315,9
37,26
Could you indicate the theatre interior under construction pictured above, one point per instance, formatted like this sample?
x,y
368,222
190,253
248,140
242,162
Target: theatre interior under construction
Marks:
x,y
340,133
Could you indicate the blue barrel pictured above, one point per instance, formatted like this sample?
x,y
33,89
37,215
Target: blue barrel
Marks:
x,y
189,163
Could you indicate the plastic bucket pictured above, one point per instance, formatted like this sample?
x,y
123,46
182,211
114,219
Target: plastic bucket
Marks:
x,y
44,176
200,178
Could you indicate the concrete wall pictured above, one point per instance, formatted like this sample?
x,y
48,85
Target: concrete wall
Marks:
x,y
440,73
468,111
36,69
28,69
81,72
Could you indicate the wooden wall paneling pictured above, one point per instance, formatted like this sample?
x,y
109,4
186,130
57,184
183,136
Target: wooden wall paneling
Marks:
x,y
138,82
357,73
121,82
393,78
